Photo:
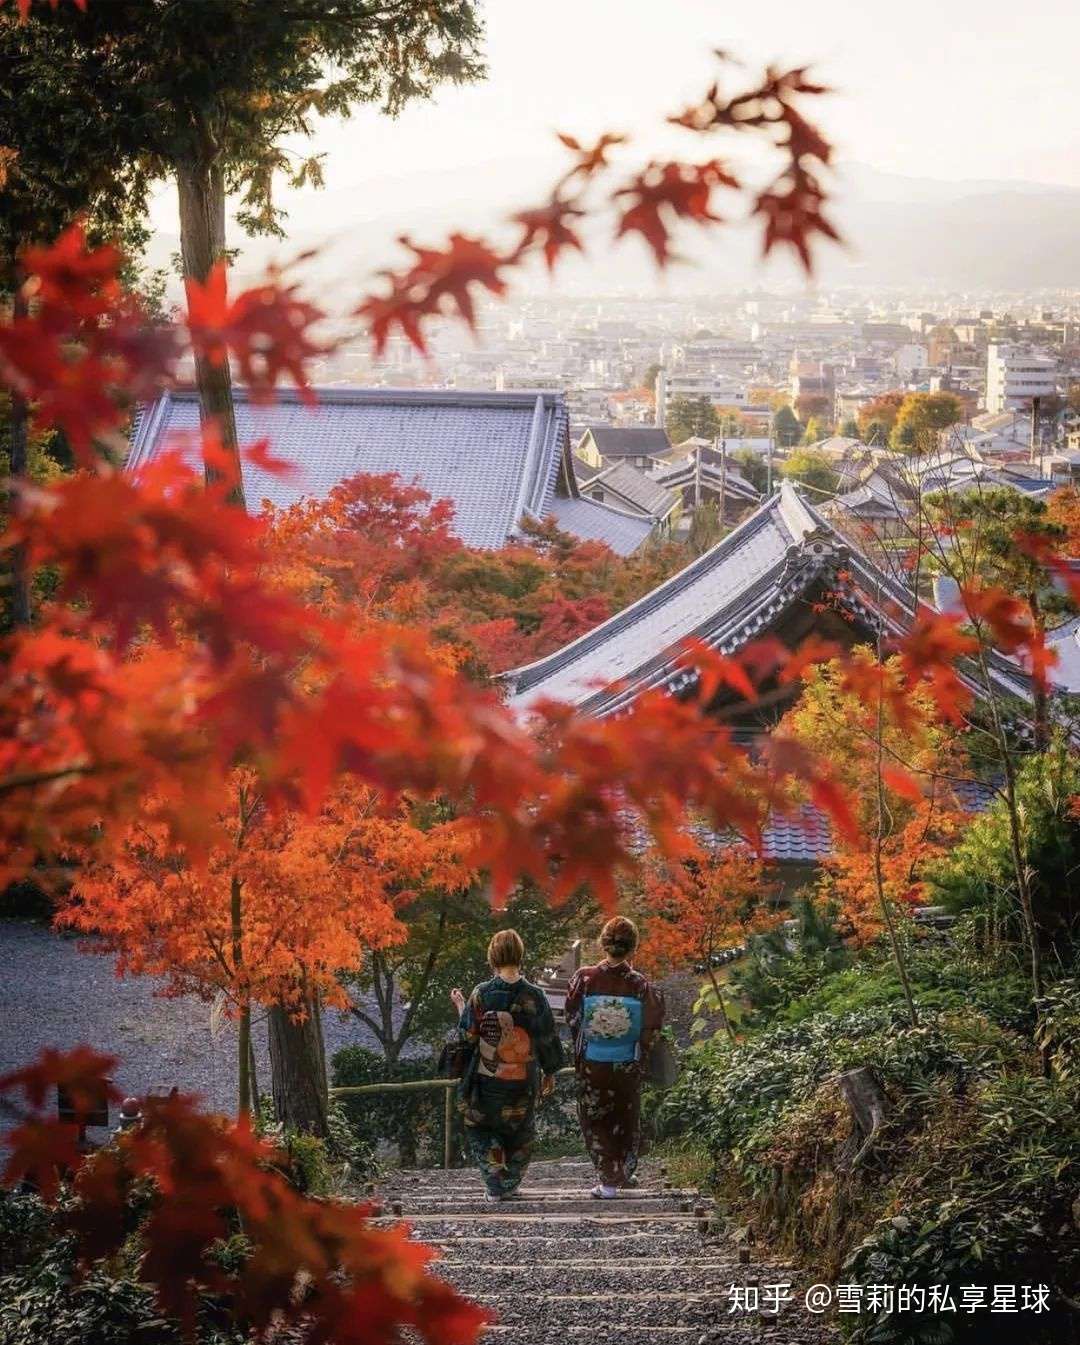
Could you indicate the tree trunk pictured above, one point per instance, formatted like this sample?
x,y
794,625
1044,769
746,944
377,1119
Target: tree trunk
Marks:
x,y
869,1105
729,1027
201,192
18,467
243,1063
298,1069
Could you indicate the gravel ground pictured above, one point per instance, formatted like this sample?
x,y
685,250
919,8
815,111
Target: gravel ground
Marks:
x,y
57,994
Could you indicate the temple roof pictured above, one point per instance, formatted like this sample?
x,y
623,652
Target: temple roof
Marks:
x,y
734,593
500,457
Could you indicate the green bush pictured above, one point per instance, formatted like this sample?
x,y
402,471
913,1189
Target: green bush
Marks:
x,y
45,1301
315,1166
995,1183
412,1121
978,875
974,1177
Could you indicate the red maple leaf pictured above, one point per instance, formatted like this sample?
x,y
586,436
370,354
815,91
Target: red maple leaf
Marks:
x,y
548,227
265,328
792,213
664,192
437,282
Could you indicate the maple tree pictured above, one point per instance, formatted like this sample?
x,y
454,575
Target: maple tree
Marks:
x,y
319,1265
877,417
710,903
279,905
1063,510
837,718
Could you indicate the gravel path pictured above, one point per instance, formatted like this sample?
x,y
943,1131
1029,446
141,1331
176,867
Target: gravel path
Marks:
x,y
57,994
557,1266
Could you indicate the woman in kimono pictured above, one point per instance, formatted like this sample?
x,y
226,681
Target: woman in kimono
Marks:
x,y
517,1052
614,1013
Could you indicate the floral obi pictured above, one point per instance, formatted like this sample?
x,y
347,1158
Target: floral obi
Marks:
x,y
612,1028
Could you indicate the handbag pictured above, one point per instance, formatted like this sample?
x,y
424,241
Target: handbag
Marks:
x,y
454,1059
661,1064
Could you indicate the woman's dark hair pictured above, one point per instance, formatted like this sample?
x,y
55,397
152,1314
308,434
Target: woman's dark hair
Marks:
x,y
506,949
619,937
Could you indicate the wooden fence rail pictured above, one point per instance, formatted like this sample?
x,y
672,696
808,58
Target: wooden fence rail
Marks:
x,y
416,1086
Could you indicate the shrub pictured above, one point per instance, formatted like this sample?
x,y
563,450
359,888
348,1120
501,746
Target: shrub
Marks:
x,y
412,1121
45,1300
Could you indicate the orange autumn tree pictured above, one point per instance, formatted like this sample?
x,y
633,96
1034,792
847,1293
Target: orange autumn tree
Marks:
x,y
380,548
845,711
708,904
279,904
1063,508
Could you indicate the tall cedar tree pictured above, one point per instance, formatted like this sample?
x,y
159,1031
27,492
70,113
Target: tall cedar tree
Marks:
x,y
212,89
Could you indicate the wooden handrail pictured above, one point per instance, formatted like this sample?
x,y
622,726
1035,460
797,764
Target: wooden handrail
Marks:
x,y
417,1085
409,1085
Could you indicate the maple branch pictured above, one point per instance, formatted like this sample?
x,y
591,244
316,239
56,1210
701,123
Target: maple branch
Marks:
x,y
32,779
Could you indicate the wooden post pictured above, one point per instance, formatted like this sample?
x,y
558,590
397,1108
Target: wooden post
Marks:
x,y
448,1127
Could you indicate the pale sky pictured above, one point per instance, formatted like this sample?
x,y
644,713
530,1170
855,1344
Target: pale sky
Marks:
x,y
947,89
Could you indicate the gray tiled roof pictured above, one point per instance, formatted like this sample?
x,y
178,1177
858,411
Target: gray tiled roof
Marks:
x,y
595,522
629,441
683,473
638,491
495,455
732,594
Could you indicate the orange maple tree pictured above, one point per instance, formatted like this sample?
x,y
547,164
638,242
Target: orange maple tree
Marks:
x,y
277,906
1063,508
907,805
707,905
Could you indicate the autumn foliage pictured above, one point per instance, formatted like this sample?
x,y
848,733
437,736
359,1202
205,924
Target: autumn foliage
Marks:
x,y
911,794
319,1263
195,660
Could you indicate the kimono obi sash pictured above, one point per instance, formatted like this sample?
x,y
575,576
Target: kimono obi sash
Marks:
x,y
612,1028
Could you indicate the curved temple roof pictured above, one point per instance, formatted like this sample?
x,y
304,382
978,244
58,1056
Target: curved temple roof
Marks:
x,y
732,594
500,457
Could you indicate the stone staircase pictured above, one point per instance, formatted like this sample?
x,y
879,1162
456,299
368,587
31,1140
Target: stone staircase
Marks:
x,y
557,1266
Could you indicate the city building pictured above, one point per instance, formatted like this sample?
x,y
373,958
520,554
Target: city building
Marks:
x,y
639,445
1015,375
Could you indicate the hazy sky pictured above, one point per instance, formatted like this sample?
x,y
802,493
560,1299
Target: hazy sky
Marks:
x,y
950,89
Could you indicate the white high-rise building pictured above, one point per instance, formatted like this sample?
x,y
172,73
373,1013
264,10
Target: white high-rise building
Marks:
x,y
1014,375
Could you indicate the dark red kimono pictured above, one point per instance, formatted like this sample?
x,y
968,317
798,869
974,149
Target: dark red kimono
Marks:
x,y
614,1013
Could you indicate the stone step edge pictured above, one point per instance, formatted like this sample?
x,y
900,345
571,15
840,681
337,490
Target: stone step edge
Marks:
x,y
497,1216
634,1264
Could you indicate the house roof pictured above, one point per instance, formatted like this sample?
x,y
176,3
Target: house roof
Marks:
x,y
629,441
681,474
727,597
584,471
499,457
640,492
865,502
592,521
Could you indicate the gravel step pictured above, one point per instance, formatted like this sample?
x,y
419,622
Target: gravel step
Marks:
x,y
630,1283
602,1246
564,1205
555,1312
